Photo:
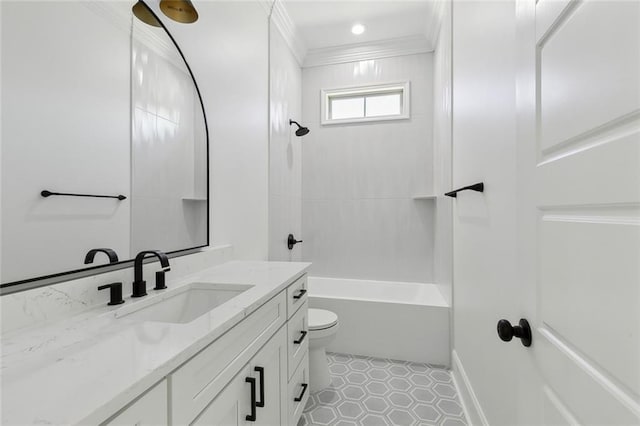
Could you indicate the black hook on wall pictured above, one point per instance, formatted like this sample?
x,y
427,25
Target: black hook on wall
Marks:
x,y
478,187
291,241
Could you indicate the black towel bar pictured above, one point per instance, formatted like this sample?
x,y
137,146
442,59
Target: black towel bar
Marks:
x,y
479,187
46,193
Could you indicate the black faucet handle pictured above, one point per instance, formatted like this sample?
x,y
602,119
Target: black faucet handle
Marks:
x,y
115,294
160,281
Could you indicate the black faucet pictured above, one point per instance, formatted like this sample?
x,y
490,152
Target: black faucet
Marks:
x,y
140,285
113,257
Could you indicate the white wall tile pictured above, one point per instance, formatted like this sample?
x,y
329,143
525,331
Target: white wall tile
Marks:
x,y
359,219
378,239
285,150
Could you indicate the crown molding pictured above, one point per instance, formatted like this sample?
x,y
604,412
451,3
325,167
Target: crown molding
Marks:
x,y
367,51
280,17
432,30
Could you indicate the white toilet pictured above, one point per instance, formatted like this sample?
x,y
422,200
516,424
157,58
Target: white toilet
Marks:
x,y
323,326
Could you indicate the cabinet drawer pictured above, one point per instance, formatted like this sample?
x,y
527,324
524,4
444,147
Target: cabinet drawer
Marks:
x,y
150,409
298,385
296,295
297,331
195,384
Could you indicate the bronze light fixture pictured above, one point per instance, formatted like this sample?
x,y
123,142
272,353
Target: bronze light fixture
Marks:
x,y
179,10
143,13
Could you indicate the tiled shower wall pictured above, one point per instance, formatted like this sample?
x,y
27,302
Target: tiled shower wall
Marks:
x,y
285,149
359,218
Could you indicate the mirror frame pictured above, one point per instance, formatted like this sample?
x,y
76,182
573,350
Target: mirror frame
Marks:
x,y
45,280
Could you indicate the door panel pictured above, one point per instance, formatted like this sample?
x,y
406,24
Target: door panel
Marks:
x,y
588,76
590,396
594,307
555,412
578,102
572,178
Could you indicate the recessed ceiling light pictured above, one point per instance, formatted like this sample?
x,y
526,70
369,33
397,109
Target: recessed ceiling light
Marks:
x,y
357,29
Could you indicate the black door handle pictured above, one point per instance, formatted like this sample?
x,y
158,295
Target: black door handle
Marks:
x,y
304,390
300,294
252,417
522,331
291,241
260,371
479,187
303,334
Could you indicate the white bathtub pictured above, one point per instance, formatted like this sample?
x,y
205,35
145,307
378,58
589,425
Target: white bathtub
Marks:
x,y
397,320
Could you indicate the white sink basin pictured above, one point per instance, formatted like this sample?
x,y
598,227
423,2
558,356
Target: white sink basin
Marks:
x,y
184,304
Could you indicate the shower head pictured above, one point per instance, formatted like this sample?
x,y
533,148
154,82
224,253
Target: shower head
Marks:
x,y
301,130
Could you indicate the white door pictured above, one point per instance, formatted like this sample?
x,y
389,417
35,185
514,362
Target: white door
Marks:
x,y
578,104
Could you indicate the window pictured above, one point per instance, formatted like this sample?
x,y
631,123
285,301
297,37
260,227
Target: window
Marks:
x,y
363,104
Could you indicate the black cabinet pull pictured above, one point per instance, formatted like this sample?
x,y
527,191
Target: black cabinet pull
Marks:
x,y
304,390
301,293
252,417
303,334
260,371
478,187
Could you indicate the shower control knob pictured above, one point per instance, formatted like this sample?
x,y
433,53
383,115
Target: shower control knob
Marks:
x,y
522,331
291,241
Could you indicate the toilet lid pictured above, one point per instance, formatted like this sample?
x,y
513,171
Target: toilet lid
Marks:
x,y
319,319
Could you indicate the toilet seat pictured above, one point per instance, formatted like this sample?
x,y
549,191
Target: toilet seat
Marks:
x,y
321,319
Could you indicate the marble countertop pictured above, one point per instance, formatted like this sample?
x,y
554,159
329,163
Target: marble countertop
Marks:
x,y
82,370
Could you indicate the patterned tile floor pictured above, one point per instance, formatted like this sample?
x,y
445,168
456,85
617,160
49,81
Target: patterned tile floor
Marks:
x,y
371,391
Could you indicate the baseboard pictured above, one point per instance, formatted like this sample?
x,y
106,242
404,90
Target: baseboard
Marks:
x,y
470,404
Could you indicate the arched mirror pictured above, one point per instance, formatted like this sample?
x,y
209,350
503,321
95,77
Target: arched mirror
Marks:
x,y
104,140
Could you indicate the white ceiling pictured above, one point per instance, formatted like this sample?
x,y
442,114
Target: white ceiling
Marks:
x,y
327,23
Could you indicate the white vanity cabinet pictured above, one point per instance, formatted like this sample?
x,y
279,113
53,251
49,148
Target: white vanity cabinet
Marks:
x,y
267,351
254,396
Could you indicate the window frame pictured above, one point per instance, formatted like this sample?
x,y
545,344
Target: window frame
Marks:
x,y
363,91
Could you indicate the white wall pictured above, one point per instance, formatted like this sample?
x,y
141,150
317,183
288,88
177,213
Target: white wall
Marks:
x,y
484,150
227,49
285,149
442,145
48,142
358,216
